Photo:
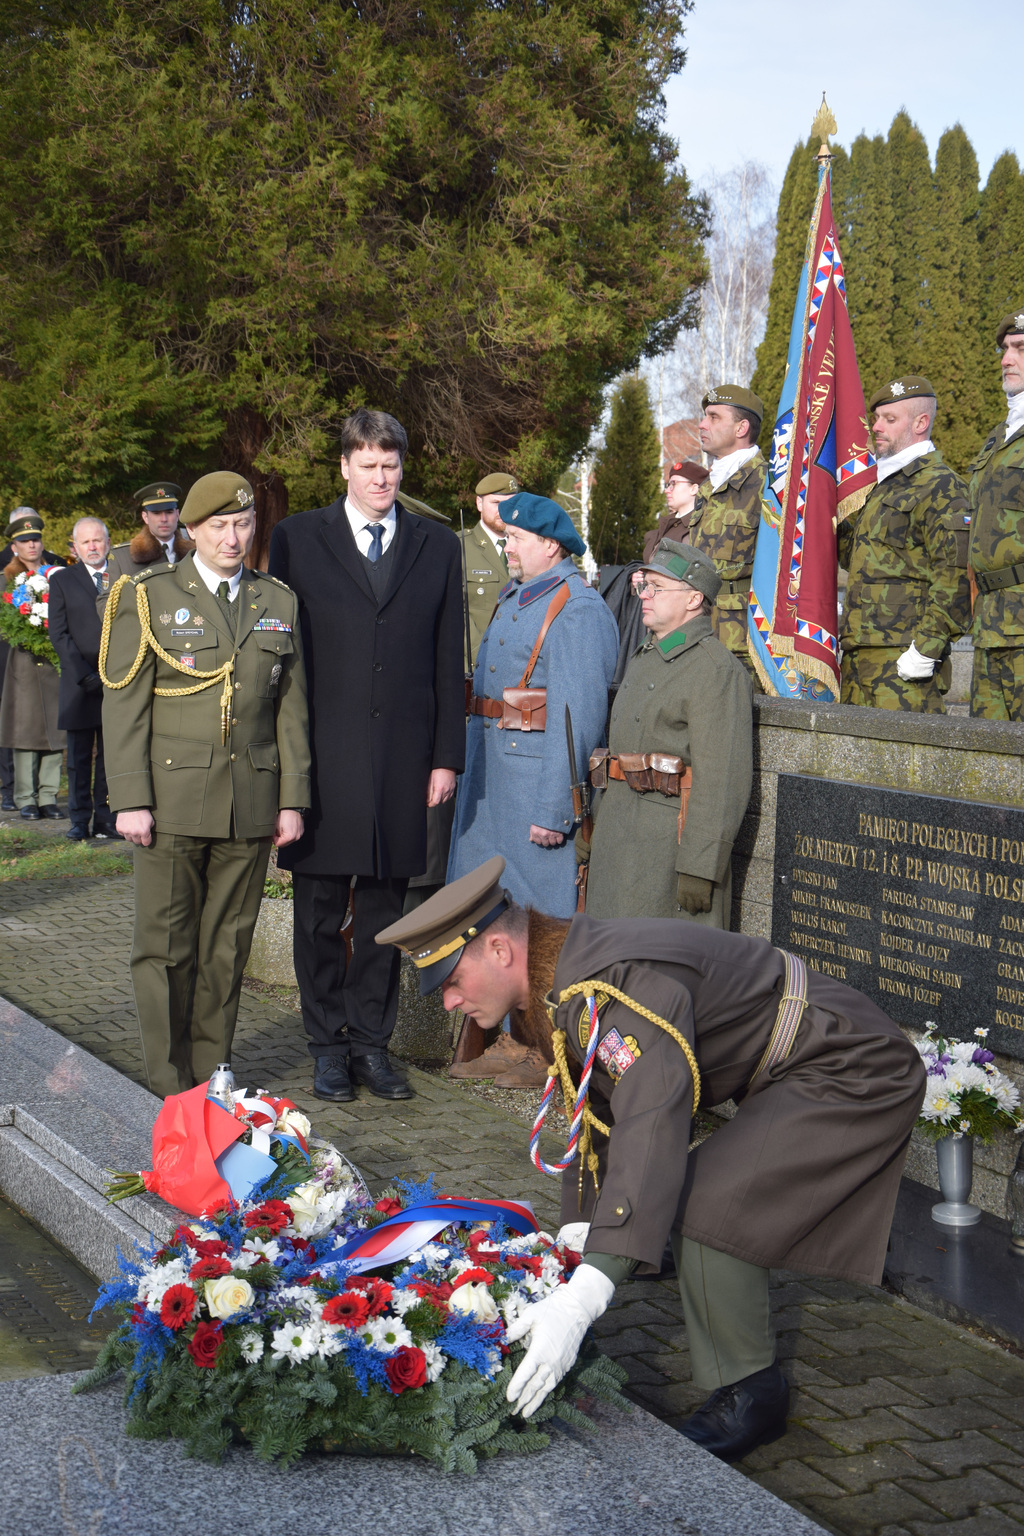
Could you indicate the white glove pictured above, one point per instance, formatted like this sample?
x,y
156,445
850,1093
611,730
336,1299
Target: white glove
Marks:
x,y
573,1235
912,666
556,1326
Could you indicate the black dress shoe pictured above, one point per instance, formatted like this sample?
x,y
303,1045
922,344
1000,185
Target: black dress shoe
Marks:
x,y
737,1418
30,813
7,803
106,829
51,812
331,1080
375,1072
78,832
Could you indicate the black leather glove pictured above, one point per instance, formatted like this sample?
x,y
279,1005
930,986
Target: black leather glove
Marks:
x,y
92,684
694,894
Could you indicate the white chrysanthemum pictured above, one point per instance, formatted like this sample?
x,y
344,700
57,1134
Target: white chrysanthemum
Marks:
x,y
251,1345
433,1254
962,1050
295,1343
36,620
1005,1093
331,1339
301,1297
965,1125
436,1360
255,1248
403,1301
982,1034
385,1334
158,1279
514,1304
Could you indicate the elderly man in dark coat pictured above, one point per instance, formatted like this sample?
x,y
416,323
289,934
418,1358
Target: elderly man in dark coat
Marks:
x,y
677,775
78,597
381,609
804,1177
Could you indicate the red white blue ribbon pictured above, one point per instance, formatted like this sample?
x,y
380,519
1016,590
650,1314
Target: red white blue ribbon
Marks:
x,y
577,1114
393,1240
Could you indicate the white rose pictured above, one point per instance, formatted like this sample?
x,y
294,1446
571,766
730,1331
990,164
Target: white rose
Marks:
x,y
294,1123
304,1212
474,1300
312,1192
228,1295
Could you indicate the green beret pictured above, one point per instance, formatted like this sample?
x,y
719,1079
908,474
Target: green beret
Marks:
x,y
216,494
25,523
544,517
734,394
160,497
498,485
909,386
1010,325
684,563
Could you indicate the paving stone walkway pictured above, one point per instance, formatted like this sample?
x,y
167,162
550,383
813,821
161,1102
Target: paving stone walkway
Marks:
x,y
902,1425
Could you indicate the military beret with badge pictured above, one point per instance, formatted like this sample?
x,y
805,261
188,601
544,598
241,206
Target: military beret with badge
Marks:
x,y
497,485
909,386
734,394
686,469
215,496
1010,325
544,517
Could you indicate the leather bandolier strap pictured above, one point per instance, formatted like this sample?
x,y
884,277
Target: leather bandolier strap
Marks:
x,y
523,708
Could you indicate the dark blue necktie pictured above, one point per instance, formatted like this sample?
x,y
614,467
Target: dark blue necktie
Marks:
x,y
376,533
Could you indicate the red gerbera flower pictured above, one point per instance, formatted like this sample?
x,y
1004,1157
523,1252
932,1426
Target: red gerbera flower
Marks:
x,y
209,1269
177,1306
210,1247
468,1276
529,1262
350,1309
274,1214
376,1291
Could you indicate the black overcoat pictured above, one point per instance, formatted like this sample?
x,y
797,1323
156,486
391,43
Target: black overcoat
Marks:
x,y
386,690
76,619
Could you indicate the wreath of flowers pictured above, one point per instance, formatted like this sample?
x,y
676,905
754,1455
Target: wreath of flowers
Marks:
x,y
25,615
234,1331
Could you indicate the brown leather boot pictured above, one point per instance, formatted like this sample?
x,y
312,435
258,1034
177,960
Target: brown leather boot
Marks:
x,y
504,1054
531,1072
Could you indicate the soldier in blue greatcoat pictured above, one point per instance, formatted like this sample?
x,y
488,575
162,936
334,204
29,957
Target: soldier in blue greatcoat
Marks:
x,y
514,797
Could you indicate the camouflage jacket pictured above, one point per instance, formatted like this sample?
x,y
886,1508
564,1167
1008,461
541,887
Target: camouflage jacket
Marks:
x,y
997,537
906,552
724,524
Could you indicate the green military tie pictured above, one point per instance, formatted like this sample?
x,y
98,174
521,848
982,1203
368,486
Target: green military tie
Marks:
x,y
224,599
501,551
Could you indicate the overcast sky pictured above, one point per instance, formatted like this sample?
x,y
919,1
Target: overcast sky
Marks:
x,y
756,69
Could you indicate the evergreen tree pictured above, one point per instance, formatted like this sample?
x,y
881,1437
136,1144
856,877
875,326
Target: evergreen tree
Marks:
x,y
796,203
865,239
916,244
1001,261
952,354
462,211
627,498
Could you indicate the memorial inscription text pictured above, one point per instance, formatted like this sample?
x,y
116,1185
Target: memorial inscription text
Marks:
x,y
916,900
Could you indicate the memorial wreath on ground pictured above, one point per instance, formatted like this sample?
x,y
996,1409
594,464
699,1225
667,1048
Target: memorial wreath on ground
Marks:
x,y
296,1313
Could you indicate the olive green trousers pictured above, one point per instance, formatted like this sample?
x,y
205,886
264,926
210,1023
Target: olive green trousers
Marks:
x,y
36,777
728,1314
196,904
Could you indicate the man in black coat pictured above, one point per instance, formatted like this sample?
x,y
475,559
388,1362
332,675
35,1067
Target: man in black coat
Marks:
x,y
381,609
78,597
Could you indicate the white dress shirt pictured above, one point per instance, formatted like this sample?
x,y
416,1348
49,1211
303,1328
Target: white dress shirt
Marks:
x,y
212,579
360,526
1014,412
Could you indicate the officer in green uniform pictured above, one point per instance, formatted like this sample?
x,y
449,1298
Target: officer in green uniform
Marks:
x,y
484,553
908,596
685,697
997,545
727,513
205,729
159,541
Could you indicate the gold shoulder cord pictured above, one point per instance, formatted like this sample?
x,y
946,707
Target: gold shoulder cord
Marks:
x,y
148,641
602,992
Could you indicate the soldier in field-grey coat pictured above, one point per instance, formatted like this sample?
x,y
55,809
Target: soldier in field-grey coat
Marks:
x,y
684,696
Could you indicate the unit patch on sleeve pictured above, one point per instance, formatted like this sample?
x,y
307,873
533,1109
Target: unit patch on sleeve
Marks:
x,y
617,1054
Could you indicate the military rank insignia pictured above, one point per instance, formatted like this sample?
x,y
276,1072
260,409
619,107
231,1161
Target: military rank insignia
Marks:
x,y
278,626
617,1054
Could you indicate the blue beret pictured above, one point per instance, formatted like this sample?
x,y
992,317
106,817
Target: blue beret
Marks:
x,y
544,517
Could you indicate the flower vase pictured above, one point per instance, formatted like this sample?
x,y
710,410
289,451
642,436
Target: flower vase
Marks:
x,y
955,1158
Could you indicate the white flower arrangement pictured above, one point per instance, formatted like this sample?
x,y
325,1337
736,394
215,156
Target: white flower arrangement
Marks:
x,y
965,1093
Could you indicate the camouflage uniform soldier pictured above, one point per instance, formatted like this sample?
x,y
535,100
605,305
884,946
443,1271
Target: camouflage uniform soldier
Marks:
x,y
908,596
997,546
727,512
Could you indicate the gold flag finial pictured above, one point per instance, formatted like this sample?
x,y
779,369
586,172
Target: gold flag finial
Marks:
x,y
823,125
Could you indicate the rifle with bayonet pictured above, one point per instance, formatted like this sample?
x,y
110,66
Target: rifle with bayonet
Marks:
x,y
580,809
465,609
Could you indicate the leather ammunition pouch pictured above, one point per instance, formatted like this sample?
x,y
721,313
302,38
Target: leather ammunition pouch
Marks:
x,y
995,581
523,708
645,772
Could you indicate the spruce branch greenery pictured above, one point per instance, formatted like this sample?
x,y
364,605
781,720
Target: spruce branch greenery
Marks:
x,y
627,496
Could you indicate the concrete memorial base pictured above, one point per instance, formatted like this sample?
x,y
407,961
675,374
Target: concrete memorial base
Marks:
x,y
69,1456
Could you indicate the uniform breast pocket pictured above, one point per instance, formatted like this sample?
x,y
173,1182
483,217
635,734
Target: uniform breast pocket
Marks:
x,y
274,648
897,523
181,769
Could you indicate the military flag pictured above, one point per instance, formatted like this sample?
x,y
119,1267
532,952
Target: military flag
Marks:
x,y
820,472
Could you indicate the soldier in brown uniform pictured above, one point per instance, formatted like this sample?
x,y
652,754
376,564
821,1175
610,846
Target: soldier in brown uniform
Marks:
x,y
804,1177
681,488
727,512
